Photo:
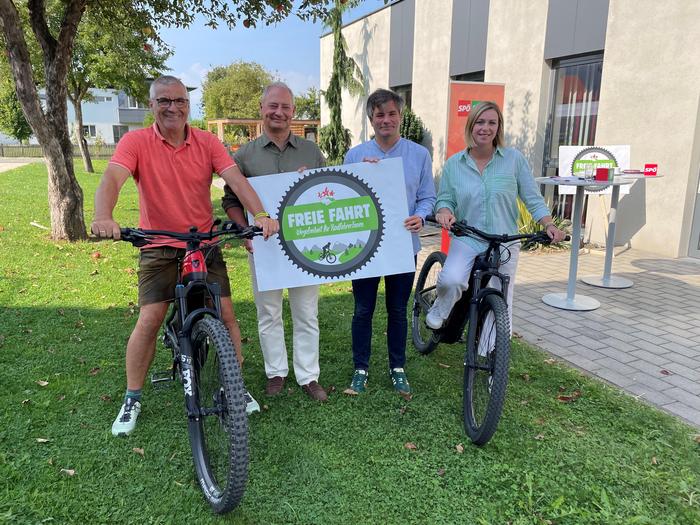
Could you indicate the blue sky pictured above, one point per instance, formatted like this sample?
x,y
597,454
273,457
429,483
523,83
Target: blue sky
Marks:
x,y
200,48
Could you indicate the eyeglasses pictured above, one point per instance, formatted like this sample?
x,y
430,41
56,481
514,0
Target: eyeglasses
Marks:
x,y
165,102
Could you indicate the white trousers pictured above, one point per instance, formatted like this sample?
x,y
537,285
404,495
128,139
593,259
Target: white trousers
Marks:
x,y
303,302
454,277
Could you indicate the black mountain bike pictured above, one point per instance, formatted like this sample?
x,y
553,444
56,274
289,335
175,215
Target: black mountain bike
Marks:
x,y
482,309
204,359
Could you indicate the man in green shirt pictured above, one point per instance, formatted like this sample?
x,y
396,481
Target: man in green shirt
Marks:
x,y
278,150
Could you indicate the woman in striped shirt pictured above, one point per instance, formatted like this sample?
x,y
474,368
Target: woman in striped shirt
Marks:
x,y
481,185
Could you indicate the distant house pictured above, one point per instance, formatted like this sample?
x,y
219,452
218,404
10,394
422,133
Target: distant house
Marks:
x,y
108,116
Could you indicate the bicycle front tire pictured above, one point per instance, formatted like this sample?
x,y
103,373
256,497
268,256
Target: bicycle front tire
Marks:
x,y
486,370
424,339
219,437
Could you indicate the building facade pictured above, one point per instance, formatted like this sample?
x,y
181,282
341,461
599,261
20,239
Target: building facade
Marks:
x,y
576,72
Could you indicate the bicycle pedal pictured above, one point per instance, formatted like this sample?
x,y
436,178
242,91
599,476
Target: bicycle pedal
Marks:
x,y
166,376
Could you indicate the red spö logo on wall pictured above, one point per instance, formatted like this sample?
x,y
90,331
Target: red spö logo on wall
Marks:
x,y
463,108
650,169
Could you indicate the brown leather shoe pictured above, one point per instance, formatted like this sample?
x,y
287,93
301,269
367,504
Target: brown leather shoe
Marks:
x,y
315,391
274,385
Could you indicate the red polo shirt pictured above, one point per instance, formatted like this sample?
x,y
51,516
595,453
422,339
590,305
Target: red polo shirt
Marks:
x,y
173,183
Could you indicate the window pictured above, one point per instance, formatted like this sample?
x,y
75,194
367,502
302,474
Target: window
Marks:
x,y
476,76
573,114
89,131
405,92
119,132
132,102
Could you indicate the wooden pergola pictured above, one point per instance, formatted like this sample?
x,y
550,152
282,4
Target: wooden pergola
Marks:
x,y
301,128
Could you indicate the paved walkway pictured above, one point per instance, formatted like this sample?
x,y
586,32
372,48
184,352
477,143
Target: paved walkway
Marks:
x,y
644,339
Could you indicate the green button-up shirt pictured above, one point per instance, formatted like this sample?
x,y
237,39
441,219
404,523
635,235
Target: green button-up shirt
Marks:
x,y
263,157
488,201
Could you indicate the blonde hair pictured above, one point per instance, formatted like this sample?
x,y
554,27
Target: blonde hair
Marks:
x,y
474,114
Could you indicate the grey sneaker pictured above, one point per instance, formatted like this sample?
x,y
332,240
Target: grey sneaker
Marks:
x,y
126,419
251,405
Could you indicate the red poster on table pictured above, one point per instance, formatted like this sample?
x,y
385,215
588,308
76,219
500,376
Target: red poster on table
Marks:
x,y
463,97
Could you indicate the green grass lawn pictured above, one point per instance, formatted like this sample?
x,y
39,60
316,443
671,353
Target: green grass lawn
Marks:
x,y
66,311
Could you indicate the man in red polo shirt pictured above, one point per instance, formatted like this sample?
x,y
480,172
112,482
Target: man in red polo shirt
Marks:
x,y
172,165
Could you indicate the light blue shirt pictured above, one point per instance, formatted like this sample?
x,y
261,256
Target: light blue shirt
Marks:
x,y
417,172
488,201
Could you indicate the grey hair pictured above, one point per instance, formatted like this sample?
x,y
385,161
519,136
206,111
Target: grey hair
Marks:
x,y
382,96
274,85
164,80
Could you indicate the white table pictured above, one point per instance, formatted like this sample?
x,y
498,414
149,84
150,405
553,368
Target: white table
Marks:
x,y
569,300
607,280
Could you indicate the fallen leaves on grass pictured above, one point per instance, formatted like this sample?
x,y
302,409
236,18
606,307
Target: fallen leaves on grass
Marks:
x,y
443,365
41,382
403,410
525,377
441,472
696,438
571,398
94,272
26,401
106,398
654,461
550,361
459,448
139,451
68,471
539,421
95,255
410,446
94,371
539,437
42,440
79,323
130,271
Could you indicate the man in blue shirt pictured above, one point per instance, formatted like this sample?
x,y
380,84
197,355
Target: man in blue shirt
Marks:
x,y
384,109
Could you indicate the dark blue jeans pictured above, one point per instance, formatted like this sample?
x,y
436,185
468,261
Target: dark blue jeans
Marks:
x,y
397,291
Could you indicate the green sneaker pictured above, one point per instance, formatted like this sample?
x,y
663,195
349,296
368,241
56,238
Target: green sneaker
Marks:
x,y
398,377
358,383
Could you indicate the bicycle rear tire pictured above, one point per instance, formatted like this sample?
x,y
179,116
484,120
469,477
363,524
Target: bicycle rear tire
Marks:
x,y
219,437
424,339
486,370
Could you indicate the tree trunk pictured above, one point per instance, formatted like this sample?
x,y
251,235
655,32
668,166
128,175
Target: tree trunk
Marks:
x,y
80,136
50,125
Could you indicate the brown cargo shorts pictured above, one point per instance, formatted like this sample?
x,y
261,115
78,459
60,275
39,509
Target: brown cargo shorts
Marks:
x,y
158,273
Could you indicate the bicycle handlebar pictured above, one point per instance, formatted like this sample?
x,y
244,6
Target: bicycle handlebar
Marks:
x,y
139,237
462,229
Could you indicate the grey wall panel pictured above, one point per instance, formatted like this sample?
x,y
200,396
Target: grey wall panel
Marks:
x,y
575,27
470,19
403,15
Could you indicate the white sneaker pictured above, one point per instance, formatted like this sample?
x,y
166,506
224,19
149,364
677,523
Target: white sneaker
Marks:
x,y
433,320
251,405
126,419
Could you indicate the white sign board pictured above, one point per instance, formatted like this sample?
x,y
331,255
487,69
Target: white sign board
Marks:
x,y
336,224
573,161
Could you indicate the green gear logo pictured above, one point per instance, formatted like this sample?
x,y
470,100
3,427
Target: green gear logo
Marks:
x,y
331,223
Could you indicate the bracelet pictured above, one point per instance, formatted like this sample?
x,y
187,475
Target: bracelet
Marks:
x,y
261,214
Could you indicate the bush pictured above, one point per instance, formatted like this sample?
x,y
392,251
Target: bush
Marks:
x,y
411,127
526,224
334,143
